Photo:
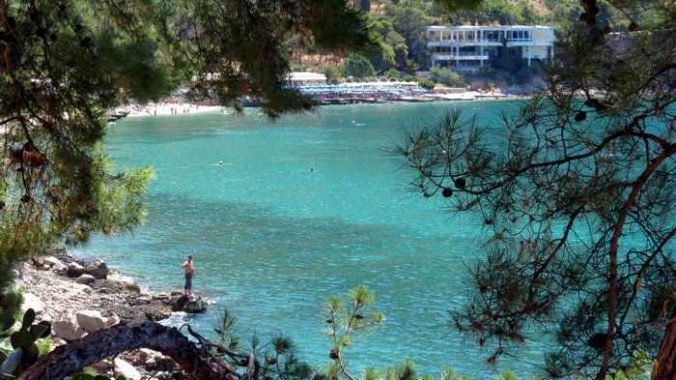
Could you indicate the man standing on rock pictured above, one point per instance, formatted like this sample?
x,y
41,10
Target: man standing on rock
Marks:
x,y
189,268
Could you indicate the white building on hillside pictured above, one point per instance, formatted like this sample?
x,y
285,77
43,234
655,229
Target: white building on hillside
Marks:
x,y
301,77
466,47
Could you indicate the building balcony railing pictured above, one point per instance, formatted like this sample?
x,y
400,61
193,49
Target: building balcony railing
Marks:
x,y
459,57
433,43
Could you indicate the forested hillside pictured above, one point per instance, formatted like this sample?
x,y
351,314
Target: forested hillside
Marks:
x,y
399,29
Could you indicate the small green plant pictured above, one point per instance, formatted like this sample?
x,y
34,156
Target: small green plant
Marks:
x,y
345,319
45,345
225,328
24,343
392,74
426,83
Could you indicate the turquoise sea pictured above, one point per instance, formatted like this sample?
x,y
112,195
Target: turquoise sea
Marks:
x,y
305,207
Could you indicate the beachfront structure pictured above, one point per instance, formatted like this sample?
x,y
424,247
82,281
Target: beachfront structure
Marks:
x,y
467,47
297,78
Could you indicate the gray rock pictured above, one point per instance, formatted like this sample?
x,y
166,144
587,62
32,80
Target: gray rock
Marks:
x,y
56,265
195,306
190,304
74,270
156,312
91,320
52,261
98,269
32,302
67,330
58,341
113,320
85,279
127,370
38,261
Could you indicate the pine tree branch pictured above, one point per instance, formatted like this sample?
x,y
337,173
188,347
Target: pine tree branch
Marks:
x,y
614,245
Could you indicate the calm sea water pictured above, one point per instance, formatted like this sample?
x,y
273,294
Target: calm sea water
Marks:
x,y
303,208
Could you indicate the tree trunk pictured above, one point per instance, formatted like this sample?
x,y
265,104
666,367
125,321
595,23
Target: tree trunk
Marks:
x,y
665,364
72,358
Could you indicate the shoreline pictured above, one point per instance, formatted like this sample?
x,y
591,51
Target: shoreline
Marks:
x,y
78,296
60,285
186,109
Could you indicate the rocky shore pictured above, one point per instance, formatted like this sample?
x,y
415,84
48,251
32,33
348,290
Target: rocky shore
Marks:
x,y
79,296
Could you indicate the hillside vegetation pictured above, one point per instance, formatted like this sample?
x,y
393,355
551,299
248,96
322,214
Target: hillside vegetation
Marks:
x,y
399,29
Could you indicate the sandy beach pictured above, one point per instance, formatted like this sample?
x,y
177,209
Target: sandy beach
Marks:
x,y
166,109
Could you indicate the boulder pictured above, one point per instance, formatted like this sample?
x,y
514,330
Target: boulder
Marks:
x,y
190,304
132,287
54,263
91,320
85,279
32,302
67,330
113,320
74,270
38,261
156,312
98,269
195,306
127,370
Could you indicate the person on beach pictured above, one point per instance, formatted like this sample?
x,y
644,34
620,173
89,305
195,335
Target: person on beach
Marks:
x,y
189,269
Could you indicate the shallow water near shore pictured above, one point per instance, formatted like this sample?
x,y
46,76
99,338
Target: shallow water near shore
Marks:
x,y
303,208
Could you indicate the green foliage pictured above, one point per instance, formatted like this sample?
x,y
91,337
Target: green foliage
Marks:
x,y
449,374
334,75
64,64
447,77
10,302
404,371
425,83
227,322
345,319
507,375
27,344
393,51
45,345
557,190
358,66
280,360
392,74
410,19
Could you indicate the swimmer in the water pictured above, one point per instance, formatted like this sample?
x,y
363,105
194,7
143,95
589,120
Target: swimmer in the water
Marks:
x,y
220,163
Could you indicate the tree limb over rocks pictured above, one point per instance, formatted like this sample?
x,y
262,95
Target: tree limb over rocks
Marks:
x,y
192,358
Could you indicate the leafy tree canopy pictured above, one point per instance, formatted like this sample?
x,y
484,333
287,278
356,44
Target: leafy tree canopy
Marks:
x,y
577,193
63,63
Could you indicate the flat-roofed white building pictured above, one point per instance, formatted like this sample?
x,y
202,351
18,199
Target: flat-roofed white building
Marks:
x,y
467,47
302,77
